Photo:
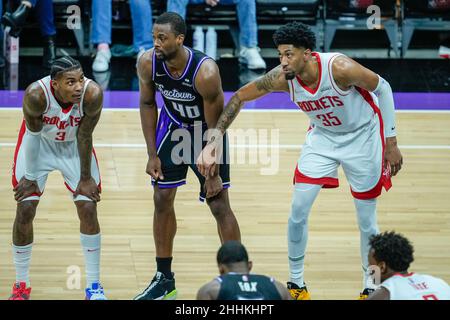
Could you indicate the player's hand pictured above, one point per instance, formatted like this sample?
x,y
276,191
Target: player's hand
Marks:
x,y
25,188
213,186
154,168
206,161
392,156
212,3
88,188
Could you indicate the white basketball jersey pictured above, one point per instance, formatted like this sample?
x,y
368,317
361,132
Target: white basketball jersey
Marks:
x,y
327,105
415,286
60,124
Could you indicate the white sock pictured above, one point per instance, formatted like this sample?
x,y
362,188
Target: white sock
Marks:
x,y
22,258
302,201
366,211
91,249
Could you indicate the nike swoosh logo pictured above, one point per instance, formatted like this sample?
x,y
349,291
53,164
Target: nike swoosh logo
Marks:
x,y
20,252
160,74
89,250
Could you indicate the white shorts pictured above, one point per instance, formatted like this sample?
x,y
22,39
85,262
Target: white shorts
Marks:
x,y
361,154
61,156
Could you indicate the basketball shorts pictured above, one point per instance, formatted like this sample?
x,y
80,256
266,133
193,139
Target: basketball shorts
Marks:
x,y
60,156
178,149
361,154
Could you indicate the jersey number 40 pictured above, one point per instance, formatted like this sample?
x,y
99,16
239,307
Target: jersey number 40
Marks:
x,y
190,112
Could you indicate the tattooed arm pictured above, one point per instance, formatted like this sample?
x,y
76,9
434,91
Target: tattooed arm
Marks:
x,y
92,105
274,80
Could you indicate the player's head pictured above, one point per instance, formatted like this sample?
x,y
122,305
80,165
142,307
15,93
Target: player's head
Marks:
x,y
295,41
67,79
232,256
169,31
391,252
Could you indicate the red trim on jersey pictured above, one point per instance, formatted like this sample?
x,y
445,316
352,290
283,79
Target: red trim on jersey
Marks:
x,y
327,182
311,90
16,152
403,275
99,176
291,85
64,110
385,177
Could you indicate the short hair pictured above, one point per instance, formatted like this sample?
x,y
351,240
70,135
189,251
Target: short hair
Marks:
x,y
394,249
62,65
232,252
296,33
175,20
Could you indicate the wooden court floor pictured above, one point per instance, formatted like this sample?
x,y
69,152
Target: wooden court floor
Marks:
x,y
418,206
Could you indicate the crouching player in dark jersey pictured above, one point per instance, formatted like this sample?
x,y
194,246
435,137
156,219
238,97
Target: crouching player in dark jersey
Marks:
x,y
236,282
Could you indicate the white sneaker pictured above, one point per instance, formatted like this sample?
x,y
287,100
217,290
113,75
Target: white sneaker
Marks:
x,y
101,61
252,58
444,52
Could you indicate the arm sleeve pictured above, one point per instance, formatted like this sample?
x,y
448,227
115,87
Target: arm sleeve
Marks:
x,y
32,145
386,103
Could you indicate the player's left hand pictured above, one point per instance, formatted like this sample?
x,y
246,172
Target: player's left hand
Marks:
x,y
88,188
393,156
213,186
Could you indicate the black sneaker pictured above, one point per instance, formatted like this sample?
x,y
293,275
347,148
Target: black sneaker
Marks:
x,y
160,288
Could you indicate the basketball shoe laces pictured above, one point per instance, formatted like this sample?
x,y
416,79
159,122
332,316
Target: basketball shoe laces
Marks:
x,y
20,291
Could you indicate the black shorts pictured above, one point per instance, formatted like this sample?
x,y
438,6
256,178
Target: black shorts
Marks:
x,y
178,149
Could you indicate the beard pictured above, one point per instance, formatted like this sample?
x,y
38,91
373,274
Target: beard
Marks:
x,y
289,76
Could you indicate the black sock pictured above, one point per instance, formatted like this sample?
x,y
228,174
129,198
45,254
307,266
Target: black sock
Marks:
x,y
164,265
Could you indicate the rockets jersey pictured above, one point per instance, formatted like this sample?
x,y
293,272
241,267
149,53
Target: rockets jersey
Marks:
x,y
60,124
182,102
235,286
328,106
413,286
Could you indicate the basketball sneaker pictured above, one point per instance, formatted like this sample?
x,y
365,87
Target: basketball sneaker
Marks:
x,y
160,288
20,291
365,294
298,293
95,292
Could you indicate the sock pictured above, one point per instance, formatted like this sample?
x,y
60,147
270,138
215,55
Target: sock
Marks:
x,y
22,258
102,46
164,266
302,201
366,211
91,245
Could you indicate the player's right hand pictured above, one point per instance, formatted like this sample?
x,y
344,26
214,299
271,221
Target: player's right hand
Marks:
x,y
212,3
154,168
25,188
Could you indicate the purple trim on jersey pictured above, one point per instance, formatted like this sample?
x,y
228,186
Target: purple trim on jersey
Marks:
x,y
153,65
196,70
171,116
162,129
169,185
191,54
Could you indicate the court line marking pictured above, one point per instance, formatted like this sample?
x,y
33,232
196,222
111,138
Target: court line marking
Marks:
x,y
253,110
243,146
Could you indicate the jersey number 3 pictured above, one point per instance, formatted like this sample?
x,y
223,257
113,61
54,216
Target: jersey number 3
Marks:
x,y
329,120
190,112
60,136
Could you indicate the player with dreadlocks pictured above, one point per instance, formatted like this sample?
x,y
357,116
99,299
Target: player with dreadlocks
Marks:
x,y
60,113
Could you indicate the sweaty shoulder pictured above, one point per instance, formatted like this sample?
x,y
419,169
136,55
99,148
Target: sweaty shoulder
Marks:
x,y
93,98
145,64
34,100
343,67
208,71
